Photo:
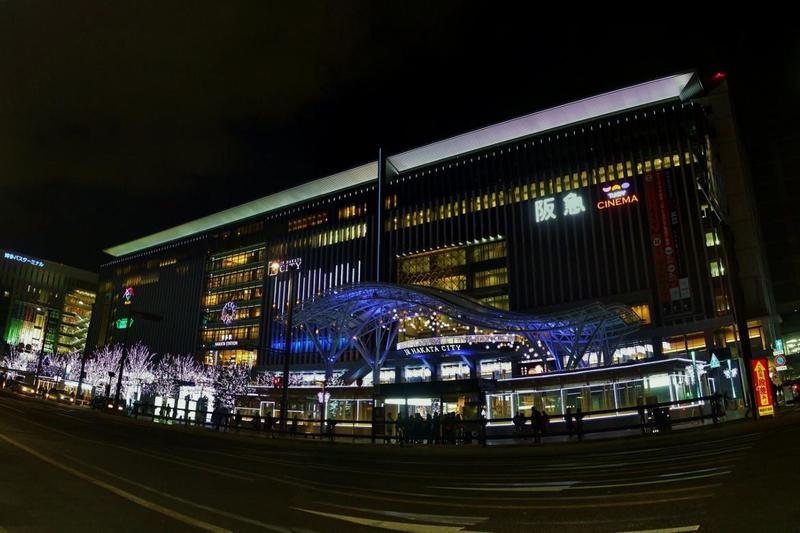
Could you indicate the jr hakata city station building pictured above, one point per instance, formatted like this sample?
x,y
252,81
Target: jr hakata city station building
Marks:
x,y
592,254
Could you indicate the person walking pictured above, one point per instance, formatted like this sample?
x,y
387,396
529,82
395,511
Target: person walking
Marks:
x,y
579,423
536,425
569,422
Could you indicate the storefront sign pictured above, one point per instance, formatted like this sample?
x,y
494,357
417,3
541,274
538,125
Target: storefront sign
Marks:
x,y
226,343
548,209
276,267
124,323
452,343
616,195
23,259
127,296
762,386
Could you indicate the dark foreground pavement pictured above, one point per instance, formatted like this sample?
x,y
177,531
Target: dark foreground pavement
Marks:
x,y
69,469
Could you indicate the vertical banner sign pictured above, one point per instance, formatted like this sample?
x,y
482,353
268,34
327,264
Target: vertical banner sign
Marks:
x,y
683,293
762,386
665,238
660,239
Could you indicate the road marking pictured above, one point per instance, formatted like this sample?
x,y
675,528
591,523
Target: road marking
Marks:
x,y
431,518
637,483
217,471
682,529
11,408
175,515
554,486
220,512
386,524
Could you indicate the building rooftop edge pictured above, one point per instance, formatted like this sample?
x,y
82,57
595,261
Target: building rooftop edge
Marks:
x,y
609,103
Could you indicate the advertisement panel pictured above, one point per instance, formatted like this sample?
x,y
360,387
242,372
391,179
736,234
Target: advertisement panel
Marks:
x,y
763,386
663,215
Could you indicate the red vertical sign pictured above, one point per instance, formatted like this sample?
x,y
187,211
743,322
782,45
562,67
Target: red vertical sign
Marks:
x,y
759,372
661,237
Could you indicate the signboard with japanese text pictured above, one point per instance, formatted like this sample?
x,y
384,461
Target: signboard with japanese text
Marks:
x,y
763,386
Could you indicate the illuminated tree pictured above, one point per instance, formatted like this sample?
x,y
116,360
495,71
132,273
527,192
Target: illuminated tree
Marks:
x,y
138,366
164,375
101,362
230,382
15,359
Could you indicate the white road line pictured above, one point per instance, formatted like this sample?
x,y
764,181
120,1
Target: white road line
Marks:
x,y
214,510
175,515
682,529
452,520
654,482
556,486
386,524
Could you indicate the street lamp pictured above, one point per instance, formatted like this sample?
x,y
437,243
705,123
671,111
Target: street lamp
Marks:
x,y
322,397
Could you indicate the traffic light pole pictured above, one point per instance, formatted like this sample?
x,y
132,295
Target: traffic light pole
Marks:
x,y
123,357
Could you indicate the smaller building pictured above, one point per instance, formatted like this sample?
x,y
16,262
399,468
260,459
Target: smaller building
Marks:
x,y
44,302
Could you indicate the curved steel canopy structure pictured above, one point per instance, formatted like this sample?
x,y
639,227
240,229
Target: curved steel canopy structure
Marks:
x,y
369,313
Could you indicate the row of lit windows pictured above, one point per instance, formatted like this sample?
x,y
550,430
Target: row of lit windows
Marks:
x,y
352,211
227,357
144,279
236,278
334,236
643,312
490,278
450,258
247,229
533,190
237,259
498,302
308,221
219,298
230,334
246,313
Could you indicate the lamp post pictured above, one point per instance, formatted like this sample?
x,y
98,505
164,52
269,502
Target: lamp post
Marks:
x,y
322,397
41,351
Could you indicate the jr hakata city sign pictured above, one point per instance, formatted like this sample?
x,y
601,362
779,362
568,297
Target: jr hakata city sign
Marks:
x,y
276,267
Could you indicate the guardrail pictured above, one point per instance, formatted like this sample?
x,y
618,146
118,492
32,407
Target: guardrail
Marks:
x,y
651,418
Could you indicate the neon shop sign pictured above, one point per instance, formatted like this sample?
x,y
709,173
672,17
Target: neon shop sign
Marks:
x,y
548,209
617,195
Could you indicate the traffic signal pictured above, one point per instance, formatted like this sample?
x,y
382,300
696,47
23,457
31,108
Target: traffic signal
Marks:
x,y
277,381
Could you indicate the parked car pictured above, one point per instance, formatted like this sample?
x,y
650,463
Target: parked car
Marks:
x,y
60,395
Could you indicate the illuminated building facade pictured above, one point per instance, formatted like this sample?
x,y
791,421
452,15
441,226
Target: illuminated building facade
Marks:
x,y
44,302
617,198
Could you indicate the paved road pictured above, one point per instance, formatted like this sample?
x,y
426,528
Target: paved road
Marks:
x,y
68,469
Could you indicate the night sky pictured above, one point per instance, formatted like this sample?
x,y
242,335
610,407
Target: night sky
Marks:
x,y
118,119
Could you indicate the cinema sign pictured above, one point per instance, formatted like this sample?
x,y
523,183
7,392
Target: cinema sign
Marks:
x,y
617,195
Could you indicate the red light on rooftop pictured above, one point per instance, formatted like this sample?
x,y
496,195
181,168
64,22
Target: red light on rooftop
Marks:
x,y
719,76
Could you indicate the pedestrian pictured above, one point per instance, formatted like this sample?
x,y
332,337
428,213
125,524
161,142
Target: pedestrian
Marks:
x,y
401,428
545,422
642,414
216,416
579,423
237,419
257,421
294,425
269,422
568,421
389,429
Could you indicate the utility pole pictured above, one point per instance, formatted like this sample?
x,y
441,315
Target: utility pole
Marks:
x,y
376,369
